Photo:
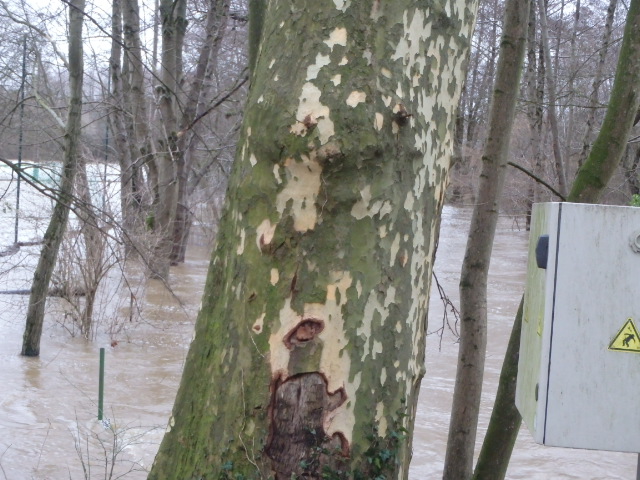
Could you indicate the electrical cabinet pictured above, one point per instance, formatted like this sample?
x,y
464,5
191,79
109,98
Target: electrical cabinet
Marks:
x,y
579,368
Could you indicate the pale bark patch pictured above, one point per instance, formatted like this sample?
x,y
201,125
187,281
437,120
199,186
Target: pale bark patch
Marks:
x,y
376,349
381,419
343,419
299,128
361,208
342,5
379,121
376,13
301,190
313,70
240,249
253,160
249,428
275,276
276,173
409,47
336,79
171,424
335,365
385,208
325,129
258,324
409,201
344,61
366,208
395,248
419,183
419,265
365,330
310,106
264,233
355,98
337,37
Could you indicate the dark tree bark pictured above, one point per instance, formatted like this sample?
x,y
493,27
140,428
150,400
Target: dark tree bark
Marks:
x,y
552,115
189,136
597,81
58,223
131,183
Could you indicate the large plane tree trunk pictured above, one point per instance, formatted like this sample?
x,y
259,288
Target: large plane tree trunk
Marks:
x,y
58,223
309,347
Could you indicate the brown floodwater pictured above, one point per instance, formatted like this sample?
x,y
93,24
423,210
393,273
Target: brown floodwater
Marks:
x,y
48,405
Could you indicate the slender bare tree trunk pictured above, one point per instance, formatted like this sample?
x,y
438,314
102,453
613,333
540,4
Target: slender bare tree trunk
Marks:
x,y
130,177
189,138
134,96
597,80
94,243
552,114
535,97
475,267
58,223
570,102
166,160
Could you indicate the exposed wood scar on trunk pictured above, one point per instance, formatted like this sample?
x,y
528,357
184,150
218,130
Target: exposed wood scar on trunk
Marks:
x,y
298,444
304,332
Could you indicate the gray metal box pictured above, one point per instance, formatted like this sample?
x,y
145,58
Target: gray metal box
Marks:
x,y
579,368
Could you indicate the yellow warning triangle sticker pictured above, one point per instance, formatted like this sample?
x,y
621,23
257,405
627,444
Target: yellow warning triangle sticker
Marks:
x,y
627,339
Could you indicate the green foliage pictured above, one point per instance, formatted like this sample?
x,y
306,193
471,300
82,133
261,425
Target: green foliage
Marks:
x,y
635,200
226,472
383,455
150,221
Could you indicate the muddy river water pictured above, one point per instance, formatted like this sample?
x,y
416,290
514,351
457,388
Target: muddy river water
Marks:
x,y
48,405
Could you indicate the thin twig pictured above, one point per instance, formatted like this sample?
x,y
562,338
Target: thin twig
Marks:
x,y
42,446
538,179
1,456
448,306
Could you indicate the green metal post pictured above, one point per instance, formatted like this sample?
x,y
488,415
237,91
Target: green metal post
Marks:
x,y
101,385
